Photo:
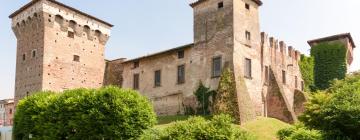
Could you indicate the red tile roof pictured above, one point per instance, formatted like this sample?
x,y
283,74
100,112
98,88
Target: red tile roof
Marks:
x,y
61,4
332,38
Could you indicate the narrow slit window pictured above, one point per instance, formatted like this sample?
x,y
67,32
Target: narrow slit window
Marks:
x,y
284,76
267,79
247,35
24,57
248,72
33,53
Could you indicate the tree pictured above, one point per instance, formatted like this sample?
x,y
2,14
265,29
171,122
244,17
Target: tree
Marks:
x,y
336,111
106,113
203,95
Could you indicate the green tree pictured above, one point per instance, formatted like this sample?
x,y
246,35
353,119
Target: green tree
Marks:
x,y
306,65
336,111
203,95
225,101
106,113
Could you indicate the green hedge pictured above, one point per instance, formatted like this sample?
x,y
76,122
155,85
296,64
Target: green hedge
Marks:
x,y
330,63
106,113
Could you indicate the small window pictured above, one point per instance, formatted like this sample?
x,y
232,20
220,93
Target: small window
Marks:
x,y
216,67
181,74
284,76
296,82
10,111
247,35
136,64
247,6
267,79
76,58
71,34
33,53
24,57
157,82
248,73
136,81
302,85
181,54
220,5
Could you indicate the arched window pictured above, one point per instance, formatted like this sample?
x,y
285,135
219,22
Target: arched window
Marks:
x,y
35,15
87,29
59,19
97,33
72,24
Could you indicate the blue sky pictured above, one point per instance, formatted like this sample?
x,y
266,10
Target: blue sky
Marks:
x,y
147,26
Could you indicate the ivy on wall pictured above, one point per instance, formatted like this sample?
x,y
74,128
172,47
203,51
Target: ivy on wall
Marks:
x,y
203,95
330,63
306,65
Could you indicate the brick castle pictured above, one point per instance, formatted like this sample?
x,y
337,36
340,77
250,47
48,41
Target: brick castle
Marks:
x,y
60,48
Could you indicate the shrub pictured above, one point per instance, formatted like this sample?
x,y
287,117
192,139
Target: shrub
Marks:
x,y
197,128
203,95
336,111
299,132
106,113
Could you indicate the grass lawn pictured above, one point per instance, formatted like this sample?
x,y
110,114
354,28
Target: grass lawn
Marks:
x,y
263,128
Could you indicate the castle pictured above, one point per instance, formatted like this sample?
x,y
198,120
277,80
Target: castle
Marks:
x,y
60,48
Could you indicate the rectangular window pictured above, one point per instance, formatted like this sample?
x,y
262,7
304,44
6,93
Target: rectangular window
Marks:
x,y
24,57
220,5
267,79
296,82
284,76
136,81
181,74
302,85
33,53
76,58
181,54
71,34
216,67
157,77
247,6
136,64
248,68
247,35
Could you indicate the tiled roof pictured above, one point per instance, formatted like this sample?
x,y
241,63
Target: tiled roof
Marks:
x,y
259,2
334,37
61,4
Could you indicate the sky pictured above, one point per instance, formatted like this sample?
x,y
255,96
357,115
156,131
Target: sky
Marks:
x,y
148,26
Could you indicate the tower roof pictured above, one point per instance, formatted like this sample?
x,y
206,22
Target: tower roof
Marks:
x,y
61,4
332,38
258,2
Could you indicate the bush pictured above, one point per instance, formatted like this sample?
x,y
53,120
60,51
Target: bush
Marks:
x,y
107,113
198,128
203,95
299,132
336,111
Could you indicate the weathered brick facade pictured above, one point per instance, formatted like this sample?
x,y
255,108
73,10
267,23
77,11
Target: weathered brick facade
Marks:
x,y
58,48
69,47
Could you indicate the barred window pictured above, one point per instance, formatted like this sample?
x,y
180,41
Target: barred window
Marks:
x,y
216,67
181,74
157,77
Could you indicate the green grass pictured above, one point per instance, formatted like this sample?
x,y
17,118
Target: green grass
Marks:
x,y
265,128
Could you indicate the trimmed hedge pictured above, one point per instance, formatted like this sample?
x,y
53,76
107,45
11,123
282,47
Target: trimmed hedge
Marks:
x,y
106,113
330,63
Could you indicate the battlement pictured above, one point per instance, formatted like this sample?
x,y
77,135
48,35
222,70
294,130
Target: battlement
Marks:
x,y
69,19
279,46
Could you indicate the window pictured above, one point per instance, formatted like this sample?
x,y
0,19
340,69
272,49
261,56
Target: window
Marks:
x,y
76,58
216,67
10,111
302,85
267,79
284,76
181,54
24,57
33,53
70,34
296,81
247,35
247,6
181,74
136,81
248,68
157,82
136,64
220,5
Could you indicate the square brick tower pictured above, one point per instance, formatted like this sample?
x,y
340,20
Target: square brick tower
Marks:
x,y
58,48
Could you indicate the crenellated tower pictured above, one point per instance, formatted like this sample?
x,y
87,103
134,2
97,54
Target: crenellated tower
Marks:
x,y
58,48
